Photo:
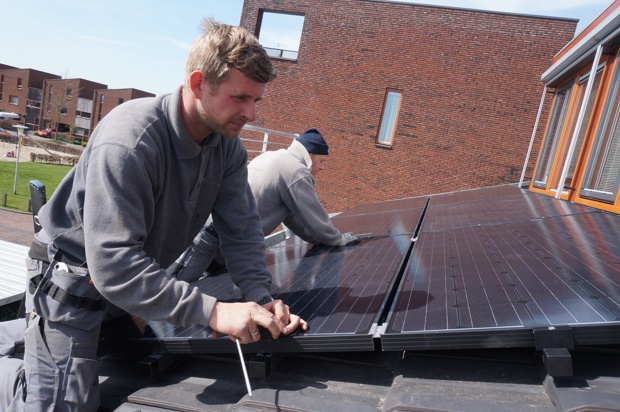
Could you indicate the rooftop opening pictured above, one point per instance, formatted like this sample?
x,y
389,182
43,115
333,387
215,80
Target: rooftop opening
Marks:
x,y
280,34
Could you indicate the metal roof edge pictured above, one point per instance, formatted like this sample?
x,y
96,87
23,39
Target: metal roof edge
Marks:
x,y
508,13
586,46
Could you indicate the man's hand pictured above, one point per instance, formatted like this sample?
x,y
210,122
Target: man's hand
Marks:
x,y
241,320
283,314
346,238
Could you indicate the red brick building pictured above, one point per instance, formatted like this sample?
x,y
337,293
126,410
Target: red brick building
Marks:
x,y
68,104
462,89
104,100
20,92
45,100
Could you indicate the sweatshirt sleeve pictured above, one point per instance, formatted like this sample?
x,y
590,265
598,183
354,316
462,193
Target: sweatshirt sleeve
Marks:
x,y
303,202
238,226
118,213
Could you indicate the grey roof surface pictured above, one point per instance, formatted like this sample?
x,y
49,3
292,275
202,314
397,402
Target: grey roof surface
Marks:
x,y
12,271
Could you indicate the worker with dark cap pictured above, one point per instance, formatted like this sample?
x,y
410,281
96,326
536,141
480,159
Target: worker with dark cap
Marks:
x,y
282,182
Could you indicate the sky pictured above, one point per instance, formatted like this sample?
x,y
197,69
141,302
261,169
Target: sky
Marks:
x,y
143,44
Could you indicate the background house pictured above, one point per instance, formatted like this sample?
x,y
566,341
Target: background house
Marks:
x,y
107,99
412,99
68,105
45,100
21,92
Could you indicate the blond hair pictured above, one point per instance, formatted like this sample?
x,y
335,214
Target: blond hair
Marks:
x,y
221,46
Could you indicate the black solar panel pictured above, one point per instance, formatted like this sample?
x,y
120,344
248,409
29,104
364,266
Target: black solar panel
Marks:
x,y
492,267
493,285
339,291
492,193
387,206
386,223
520,205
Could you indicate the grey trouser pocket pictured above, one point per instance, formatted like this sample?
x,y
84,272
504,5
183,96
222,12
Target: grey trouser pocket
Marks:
x,y
60,357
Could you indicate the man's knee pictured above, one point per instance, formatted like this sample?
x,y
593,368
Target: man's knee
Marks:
x,y
12,383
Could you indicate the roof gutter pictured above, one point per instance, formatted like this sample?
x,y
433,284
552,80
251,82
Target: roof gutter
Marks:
x,y
607,29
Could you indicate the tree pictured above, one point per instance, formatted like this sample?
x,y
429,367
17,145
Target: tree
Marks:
x,y
59,98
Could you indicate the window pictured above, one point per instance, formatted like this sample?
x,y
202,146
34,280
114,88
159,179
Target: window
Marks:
x,y
79,131
49,98
389,119
552,137
280,34
69,93
602,176
572,124
84,108
13,100
100,108
19,83
120,100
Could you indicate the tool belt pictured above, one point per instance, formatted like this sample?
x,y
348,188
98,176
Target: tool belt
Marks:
x,y
44,283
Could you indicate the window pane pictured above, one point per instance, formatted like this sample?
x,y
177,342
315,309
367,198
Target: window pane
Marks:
x,y
601,180
583,82
552,138
388,120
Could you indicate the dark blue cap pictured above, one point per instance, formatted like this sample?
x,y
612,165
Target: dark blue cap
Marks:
x,y
313,142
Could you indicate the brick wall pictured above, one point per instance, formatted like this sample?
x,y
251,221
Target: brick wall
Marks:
x,y
470,84
111,99
79,88
30,79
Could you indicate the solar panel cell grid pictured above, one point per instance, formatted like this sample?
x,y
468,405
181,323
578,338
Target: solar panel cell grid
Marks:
x,y
539,273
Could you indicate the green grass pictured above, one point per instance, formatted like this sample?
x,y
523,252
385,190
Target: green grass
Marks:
x,y
48,174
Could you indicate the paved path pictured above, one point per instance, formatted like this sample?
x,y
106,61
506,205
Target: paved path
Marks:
x,y
16,227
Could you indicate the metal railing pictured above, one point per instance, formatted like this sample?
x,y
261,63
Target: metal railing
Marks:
x,y
257,145
269,140
281,53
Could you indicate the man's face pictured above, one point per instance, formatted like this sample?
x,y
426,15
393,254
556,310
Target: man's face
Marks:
x,y
228,108
318,163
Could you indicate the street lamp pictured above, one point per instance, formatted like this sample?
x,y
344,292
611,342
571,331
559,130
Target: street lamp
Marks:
x,y
20,132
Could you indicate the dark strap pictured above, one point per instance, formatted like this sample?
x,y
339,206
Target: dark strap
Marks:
x,y
60,295
211,230
66,257
38,251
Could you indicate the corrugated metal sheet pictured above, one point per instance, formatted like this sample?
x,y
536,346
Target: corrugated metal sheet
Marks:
x,y
12,271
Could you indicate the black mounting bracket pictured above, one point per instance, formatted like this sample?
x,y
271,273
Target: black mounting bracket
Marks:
x,y
555,342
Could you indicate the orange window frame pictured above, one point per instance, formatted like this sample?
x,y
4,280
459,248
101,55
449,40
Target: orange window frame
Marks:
x,y
565,137
394,122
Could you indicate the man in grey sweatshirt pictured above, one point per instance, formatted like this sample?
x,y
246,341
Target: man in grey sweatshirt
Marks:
x,y
282,183
153,171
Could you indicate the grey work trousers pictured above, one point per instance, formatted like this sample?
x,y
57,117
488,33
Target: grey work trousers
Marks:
x,y
191,265
59,371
